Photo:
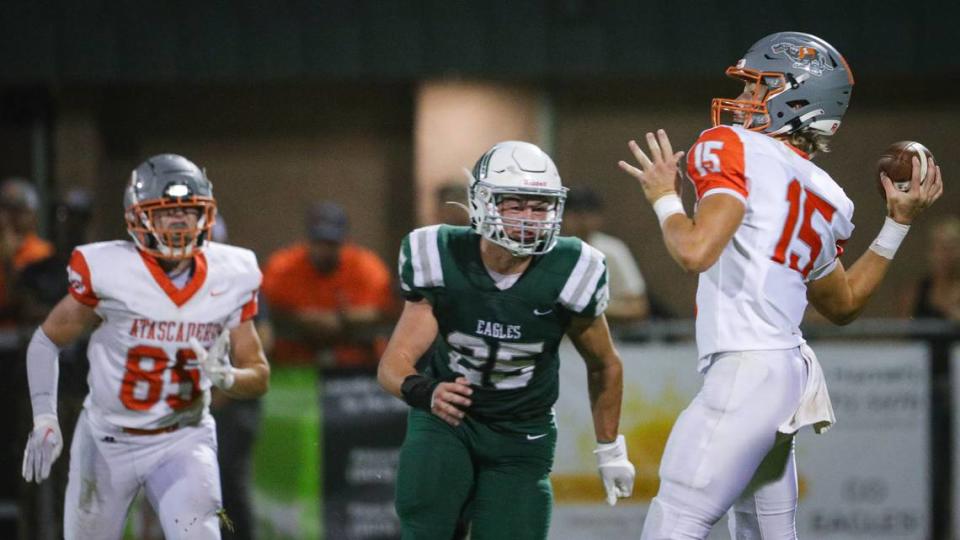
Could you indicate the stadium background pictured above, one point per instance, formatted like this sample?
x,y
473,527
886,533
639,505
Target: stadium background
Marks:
x,y
373,103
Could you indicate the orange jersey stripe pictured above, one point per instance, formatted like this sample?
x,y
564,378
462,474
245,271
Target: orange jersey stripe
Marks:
x,y
80,286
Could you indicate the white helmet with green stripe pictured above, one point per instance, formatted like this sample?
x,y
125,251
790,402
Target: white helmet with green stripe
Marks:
x,y
516,169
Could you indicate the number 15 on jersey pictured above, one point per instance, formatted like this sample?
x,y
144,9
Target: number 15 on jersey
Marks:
x,y
804,204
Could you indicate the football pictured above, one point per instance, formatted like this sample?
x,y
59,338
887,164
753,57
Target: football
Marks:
x,y
896,162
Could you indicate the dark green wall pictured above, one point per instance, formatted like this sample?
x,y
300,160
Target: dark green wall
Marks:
x,y
138,41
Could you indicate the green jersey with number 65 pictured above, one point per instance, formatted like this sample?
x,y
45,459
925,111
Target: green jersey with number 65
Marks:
x,y
504,342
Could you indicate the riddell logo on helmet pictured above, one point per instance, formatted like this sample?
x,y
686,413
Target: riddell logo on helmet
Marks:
x,y
806,58
535,183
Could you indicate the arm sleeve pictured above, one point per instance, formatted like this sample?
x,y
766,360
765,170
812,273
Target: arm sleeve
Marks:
x,y
715,164
43,370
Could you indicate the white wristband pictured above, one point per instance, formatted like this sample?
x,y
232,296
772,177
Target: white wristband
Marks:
x,y
667,206
890,237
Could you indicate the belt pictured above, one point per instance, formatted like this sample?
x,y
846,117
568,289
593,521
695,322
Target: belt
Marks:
x,y
155,431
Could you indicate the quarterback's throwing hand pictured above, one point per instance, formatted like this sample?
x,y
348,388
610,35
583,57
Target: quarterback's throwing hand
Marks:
x,y
43,448
615,469
215,362
658,173
450,399
904,206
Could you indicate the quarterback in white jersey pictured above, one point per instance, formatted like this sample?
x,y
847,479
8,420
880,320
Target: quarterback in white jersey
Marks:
x,y
766,237
171,311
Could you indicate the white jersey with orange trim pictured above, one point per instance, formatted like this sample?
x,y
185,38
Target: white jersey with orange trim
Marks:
x,y
796,220
143,373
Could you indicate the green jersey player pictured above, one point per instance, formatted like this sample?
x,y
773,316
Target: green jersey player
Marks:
x,y
494,300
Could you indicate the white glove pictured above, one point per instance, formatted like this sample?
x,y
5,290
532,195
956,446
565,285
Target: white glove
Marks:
x,y
43,448
215,362
615,469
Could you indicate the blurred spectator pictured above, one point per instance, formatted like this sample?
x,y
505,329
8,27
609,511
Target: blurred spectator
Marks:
x,y
583,218
937,294
327,296
19,243
40,285
19,246
44,282
452,204
238,421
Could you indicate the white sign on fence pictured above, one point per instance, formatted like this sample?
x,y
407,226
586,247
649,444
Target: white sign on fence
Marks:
x,y
866,478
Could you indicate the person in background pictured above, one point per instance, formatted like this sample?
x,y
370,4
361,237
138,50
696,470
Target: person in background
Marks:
x,y
583,218
327,296
19,243
19,246
39,287
937,294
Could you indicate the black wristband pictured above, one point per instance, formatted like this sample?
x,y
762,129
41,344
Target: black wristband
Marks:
x,y
417,390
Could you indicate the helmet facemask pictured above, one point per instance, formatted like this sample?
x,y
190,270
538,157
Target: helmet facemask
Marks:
x,y
174,243
521,236
800,83
517,170
169,183
751,113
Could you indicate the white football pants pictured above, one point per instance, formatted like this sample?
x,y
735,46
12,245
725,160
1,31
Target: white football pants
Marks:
x,y
178,471
724,452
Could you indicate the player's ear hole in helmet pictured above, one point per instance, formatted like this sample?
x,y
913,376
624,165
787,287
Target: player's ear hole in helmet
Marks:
x,y
798,86
168,185
516,198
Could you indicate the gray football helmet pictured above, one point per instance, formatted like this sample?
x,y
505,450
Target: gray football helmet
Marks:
x,y
800,81
522,170
164,182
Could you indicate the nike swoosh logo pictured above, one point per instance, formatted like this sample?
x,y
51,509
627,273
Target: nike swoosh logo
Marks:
x,y
544,312
217,293
535,437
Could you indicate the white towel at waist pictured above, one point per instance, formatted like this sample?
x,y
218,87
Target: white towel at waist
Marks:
x,y
815,408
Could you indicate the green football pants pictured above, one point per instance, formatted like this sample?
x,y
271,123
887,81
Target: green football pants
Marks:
x,y
498,473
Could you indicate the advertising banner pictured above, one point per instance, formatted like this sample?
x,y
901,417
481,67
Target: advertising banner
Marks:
x,y
868,477
363,428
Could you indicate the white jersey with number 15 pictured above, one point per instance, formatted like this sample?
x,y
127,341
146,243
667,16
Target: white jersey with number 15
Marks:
x,y
796,221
